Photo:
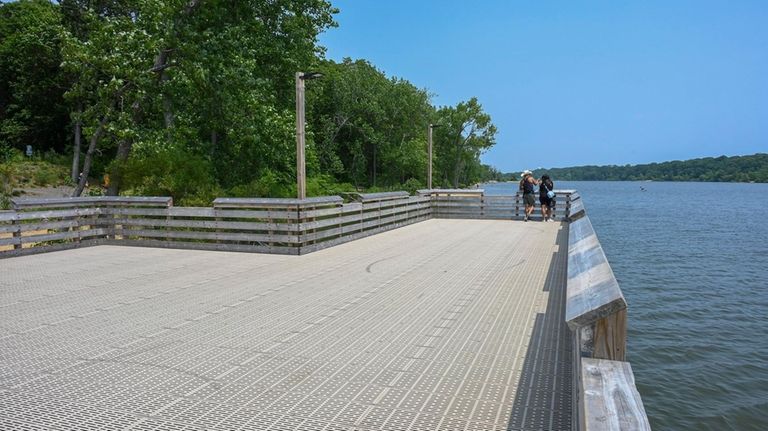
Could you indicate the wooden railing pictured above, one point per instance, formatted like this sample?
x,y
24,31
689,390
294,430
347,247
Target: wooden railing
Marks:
x,y
262,225
475,204
282,226
40,225
596,312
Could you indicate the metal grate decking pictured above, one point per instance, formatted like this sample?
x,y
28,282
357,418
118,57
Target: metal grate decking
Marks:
x,y
446,324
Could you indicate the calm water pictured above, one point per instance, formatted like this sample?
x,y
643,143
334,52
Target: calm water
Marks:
x,y
692,261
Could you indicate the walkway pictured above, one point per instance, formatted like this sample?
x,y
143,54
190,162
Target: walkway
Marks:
x,y
445,324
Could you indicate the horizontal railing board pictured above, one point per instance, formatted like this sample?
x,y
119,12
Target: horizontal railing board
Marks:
x,y
610,398
212,236
461,198
275,202
56,236
23,203
320,224
463,205
438,192
592,290
206,246
370,197
207,224
35,215
354,236
388,211
356,227
11,240
393,203
26,227
352,207
323,212
203,213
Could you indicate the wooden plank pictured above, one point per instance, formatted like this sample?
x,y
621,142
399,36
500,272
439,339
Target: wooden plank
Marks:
x,y
211,236
356,236
452,192
208,224
610,399
275,202
383,196
14,240
610,337
353,207
34,215
247,248
67,235
26,227
24,203
202,213
390,211
323,212
393,204
592,290
319,224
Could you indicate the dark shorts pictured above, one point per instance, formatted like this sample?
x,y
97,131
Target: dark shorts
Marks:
x,y
549,202
529,199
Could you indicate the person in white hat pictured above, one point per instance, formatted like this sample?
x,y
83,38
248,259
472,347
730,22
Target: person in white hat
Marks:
x,y
528,186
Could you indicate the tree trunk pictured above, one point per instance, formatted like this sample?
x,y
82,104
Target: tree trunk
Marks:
x,y
374,165
456,170
214,142
116,176
76,151
167,102
89,155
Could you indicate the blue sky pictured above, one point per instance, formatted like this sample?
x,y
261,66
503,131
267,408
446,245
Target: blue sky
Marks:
x,y
580,82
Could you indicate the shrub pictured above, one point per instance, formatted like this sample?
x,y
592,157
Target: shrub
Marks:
x,y
412,185
186,177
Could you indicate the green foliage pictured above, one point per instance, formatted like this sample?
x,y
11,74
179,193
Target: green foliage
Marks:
x,y
412,185
465,132
270,184
325,185
32,85
9,154
717,169
193,98
186,177
368,129
7,183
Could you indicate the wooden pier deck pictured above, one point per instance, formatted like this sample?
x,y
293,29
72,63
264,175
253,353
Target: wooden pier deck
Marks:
x,y
442,324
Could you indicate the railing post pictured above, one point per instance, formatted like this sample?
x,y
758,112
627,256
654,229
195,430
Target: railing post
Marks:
x,y
16,234
610,337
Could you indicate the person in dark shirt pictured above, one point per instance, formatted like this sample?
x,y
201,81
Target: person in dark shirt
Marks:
x,y
546,198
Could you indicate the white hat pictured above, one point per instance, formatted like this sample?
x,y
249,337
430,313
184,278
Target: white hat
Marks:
x,y
526,172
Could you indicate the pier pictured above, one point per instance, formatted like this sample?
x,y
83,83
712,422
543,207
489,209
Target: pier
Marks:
x,y
388,311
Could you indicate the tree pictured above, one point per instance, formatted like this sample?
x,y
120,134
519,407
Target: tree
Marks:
x,y
466,132
32,85
368,129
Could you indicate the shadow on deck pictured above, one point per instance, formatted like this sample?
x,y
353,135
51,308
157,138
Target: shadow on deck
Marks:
x,y
543,398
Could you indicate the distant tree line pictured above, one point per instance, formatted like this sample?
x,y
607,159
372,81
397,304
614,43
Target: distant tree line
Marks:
x,y
195,98
753,168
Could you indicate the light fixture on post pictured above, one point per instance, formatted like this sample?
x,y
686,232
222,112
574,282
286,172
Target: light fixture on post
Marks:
x,y
301,180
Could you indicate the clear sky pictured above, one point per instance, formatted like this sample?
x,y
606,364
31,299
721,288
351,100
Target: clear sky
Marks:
x,y
580,82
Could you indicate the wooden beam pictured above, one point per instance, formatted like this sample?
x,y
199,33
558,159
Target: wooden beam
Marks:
x,y
610,400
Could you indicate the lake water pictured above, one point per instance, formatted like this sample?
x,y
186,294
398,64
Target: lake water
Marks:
x,y
692,261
